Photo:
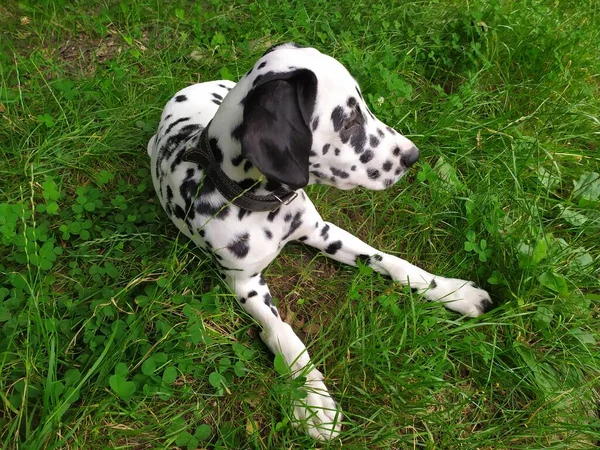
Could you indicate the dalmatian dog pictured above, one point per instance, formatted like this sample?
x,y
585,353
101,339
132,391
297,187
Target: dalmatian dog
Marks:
x,y
229,162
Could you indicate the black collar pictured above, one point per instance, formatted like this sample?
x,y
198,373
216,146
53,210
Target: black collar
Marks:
x,y
233,192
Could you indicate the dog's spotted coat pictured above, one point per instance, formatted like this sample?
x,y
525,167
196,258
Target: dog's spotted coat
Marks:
x,y
296,118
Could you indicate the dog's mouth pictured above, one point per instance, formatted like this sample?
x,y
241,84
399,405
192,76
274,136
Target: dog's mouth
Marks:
x,y
384,183
374,186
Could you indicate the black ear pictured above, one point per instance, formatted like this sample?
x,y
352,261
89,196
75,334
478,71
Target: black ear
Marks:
x,y
276,135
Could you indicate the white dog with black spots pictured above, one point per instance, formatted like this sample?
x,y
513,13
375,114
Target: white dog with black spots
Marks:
x,y
296,118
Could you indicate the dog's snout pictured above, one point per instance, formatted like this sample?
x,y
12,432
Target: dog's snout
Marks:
x,y
410,156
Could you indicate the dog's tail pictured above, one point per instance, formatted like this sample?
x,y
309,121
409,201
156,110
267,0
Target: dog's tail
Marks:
x,y
151,143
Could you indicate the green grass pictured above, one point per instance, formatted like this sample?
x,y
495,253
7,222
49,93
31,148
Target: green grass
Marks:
x,y
115,333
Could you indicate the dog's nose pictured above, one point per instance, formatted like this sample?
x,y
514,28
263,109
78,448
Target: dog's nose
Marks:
x,y
410,157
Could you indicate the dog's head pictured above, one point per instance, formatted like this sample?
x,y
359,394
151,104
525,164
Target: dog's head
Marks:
x,y
305,121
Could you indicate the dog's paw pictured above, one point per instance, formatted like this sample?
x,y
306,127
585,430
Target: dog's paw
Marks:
x,y
464,297
318,413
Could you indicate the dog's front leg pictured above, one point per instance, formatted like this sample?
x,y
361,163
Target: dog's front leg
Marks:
x,y
317,412
461,296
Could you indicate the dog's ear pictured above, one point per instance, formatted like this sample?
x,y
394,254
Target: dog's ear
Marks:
x,y
276,136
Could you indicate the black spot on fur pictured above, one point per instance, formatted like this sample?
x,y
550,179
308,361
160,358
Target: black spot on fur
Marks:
x,y
177,160
324,232
179,212
189,129
302,238
180,98
373,174
273,214
388,182
262,64
397,151
170,127
318,174
353,168
242,212
380,133
189,191
238,132
333,248
208,187
252,294
217,96
242,300
247,166
377,257
326,148
373,141
174,141
223,86
296,223
239,246
268,299
216,102
366,156
432,285
274,311
248,184
169,193
473,284
359,94
208,209
387,166
339,173
288,217
351,102
315,123
484,306
414,290
391,130
268,233
357,136
397,171
337,152
262,281
337,117
237,160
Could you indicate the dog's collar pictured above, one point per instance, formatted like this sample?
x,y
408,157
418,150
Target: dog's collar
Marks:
x,y
203,155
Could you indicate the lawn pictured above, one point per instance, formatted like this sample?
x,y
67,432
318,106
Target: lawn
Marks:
x,y
116,333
